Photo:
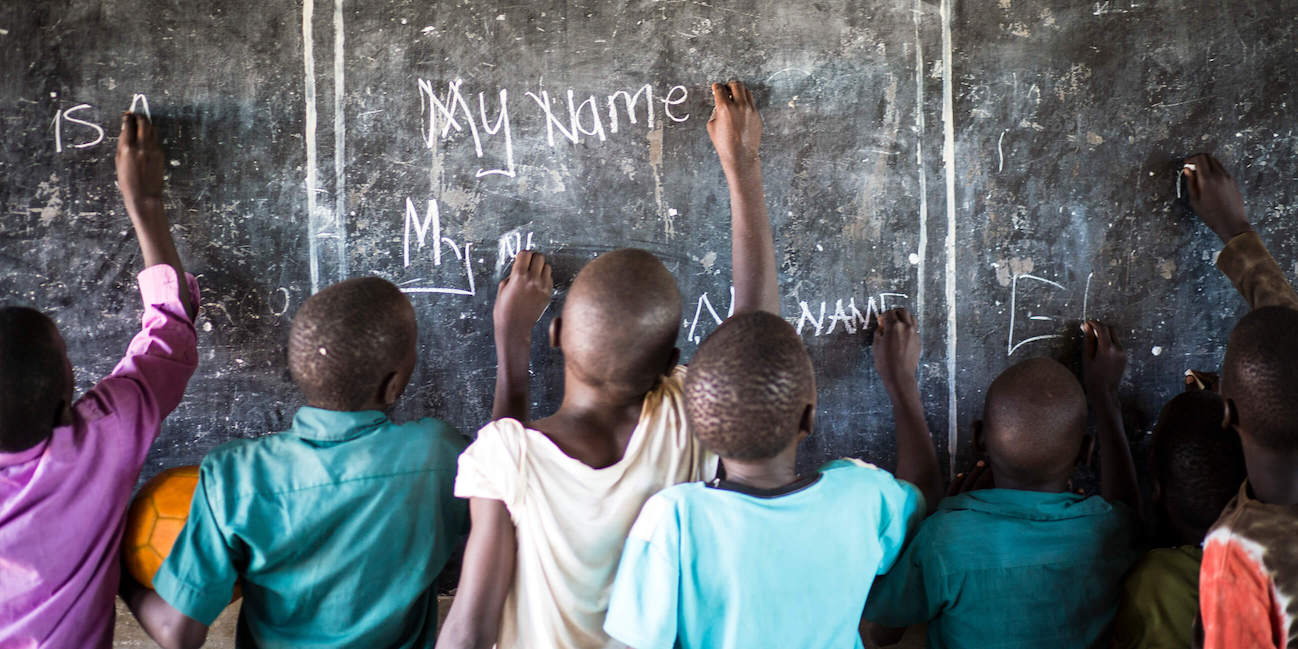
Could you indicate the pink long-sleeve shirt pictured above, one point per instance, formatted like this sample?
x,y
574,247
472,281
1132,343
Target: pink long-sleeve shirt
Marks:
x,y
63,502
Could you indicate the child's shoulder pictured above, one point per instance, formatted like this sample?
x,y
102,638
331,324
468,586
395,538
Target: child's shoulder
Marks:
x,y
861,474
505,435
439,435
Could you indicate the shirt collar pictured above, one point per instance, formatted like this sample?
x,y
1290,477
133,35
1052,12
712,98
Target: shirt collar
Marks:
x,y
335,425
1031,505
23,456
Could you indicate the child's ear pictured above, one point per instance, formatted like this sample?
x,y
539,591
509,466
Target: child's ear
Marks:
x,y
556,326
1086,454
1229,415
391,388
64,414
807,424
672,360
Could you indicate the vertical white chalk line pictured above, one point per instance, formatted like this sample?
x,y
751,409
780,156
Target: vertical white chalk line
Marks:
x,y
1000,151
922,253
308,59
948,158
340,146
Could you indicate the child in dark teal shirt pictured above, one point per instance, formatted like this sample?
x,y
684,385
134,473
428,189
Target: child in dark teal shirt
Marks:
x,y
1028,563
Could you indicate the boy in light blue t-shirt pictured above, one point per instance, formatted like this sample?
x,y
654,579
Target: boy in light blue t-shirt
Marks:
x,y
765,557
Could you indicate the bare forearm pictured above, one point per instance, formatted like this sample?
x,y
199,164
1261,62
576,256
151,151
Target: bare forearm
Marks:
x,y
752,247
916,455
156,245
513,354
1117,469
167,626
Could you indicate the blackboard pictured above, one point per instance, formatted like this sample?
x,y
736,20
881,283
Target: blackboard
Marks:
x,y
1002,168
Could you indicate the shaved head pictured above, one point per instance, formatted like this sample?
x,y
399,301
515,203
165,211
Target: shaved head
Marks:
x,y
620,320
35,379
749,386
1034,420
348,339
1199,465
1260,375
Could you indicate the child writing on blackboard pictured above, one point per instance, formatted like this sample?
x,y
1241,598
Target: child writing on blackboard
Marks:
x,y
337,528
552,500
67,468
1027,563
1196,466
766,557
1248,580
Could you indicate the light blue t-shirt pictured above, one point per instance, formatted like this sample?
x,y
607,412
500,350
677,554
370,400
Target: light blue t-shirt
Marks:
x,y
708,565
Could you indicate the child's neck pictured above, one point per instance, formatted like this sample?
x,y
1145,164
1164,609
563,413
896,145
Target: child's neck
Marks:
x,y
770,473
593,424
1272,476
1005,480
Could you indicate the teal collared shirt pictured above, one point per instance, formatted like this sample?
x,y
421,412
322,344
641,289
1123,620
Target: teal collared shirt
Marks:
x,y
1002,568
335,530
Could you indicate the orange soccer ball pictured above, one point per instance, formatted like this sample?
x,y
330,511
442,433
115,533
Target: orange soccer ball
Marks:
x,y
155,519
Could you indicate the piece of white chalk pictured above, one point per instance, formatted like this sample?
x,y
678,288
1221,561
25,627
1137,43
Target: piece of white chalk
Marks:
x,y
1191,166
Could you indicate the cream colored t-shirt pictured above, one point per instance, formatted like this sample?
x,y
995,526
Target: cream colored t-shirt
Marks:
x,y
572,520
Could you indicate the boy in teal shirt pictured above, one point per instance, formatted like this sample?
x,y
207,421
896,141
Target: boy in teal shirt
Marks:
x,y
336,528
1028,563
764,557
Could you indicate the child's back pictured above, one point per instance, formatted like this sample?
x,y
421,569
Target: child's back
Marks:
x,y
67,470
1196,468
337,528
573,485
1248,594
1029,564
765,557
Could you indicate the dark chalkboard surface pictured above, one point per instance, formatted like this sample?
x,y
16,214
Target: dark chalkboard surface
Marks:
x,y
1002,168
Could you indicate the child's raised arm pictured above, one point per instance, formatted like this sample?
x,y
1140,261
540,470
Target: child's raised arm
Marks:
x,y
736,132
896,358
1104,362
139,177
521,299
1215,198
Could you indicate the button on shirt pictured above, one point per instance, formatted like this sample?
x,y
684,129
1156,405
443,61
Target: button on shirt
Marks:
x,y
1002,568
63,501
335,528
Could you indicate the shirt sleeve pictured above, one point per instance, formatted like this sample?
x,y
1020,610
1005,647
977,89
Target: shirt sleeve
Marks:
x,y
643,604
1236,600
907,594
493,465
902,508
198,577
150,380
1255,273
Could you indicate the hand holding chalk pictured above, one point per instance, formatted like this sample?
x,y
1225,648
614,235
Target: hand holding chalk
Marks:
x,y
735,127
1215,196
1103,360
896,349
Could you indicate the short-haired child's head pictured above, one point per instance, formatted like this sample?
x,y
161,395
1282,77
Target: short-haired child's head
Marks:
x,y
620,320
1198,465
1034,422
350,342
1260,377
749,387
35,378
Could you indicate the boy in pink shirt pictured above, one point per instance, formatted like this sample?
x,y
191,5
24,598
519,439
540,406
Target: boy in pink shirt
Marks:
x,y
67,468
